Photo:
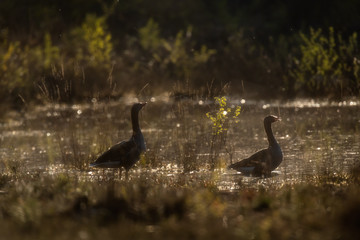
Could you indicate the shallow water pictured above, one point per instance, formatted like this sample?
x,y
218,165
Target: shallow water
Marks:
x,y
317,137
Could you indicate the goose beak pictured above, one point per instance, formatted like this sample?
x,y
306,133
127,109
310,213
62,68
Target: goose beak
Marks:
x,y
275,118
143,104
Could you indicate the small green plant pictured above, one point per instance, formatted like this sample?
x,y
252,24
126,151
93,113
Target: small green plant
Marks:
x,y
220,120
221,117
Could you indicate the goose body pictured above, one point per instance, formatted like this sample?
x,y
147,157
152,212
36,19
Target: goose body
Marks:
x,y
264,161
126,153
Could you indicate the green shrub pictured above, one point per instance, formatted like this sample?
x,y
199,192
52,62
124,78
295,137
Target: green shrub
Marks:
x,y
14,67
149,36
175,57
328,65
93,46
83,65
19,66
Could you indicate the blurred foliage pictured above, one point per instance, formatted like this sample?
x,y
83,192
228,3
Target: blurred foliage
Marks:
x,y
150,36
328,64
21,67
13,67
175,57
75,50
51,52
92,43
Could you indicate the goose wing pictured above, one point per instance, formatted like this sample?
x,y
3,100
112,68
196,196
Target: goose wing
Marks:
x,y
116,156
252,162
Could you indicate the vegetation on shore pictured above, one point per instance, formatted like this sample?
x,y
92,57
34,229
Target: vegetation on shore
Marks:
x,y
75,51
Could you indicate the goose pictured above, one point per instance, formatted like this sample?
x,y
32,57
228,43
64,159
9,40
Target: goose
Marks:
x,y
264,161
126,153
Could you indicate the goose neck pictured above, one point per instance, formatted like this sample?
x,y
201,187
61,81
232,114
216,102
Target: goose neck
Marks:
x,y
135,121
269,133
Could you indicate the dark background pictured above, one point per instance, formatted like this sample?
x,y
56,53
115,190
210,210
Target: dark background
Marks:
x,y
257,45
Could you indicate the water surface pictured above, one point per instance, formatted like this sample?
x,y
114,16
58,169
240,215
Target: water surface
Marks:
x,y
317,137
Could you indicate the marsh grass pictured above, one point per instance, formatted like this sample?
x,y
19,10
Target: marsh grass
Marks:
x,y
170,192
75,153
40,205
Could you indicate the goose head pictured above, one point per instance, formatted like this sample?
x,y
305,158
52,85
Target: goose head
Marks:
x,y
138,106
271,119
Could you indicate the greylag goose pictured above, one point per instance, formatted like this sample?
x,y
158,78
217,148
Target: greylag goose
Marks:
x,y
264,161
126,153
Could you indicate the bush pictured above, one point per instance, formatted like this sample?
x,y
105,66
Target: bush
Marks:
x,y
174,57
86,63
22,67
328,65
